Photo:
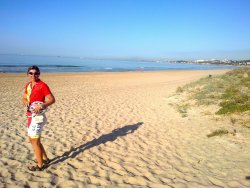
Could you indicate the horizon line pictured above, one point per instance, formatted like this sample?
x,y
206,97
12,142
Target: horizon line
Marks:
x,y
125,58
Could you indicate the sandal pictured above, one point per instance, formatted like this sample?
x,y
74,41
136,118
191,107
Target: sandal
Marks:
x,y
35,168
45,161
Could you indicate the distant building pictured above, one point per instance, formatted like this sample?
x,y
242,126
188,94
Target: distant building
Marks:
x,y
199,61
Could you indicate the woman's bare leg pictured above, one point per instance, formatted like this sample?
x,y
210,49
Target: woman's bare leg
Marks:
x,y
44,155
37,150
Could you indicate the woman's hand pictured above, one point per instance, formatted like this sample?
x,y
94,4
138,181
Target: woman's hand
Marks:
x,y
37,108
25,101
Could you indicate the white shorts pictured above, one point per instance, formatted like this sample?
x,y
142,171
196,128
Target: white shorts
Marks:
x,y
35,129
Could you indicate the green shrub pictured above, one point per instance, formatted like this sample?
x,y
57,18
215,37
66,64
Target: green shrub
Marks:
x,y
219,132
231,107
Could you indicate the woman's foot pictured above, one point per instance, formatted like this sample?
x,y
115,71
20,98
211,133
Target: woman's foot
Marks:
x,y
45,161
35,168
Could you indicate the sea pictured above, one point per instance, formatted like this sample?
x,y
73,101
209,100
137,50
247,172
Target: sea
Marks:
x,y
20,63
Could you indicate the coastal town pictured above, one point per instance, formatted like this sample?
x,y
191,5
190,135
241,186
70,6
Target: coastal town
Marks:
x,y
216,62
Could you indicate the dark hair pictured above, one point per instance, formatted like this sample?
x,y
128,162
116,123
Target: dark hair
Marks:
x,y
33,67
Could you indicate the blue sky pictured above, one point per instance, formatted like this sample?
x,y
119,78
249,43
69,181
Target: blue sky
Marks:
x,y
170,29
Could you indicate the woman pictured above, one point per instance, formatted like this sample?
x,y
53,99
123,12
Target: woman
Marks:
x,y
38,96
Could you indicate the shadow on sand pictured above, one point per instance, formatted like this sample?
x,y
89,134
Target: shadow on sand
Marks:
x,y
123,131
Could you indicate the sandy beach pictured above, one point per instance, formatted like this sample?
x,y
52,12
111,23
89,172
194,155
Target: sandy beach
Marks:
x,y
119,130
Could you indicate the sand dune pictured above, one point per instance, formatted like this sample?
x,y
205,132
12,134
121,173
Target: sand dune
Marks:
x,y
119,130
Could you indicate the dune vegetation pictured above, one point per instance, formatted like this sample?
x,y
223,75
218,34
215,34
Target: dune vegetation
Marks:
x,y
230,91
229,94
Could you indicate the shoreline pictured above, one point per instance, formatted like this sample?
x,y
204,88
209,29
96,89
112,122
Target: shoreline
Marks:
x,y
118,72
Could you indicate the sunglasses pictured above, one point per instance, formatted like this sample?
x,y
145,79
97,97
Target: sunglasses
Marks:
x,y
34,73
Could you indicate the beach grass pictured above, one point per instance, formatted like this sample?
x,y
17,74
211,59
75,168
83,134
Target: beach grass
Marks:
x,y
231,91
221,132
218,132
182,109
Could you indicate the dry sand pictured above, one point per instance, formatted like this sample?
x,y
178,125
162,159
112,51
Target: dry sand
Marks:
x,y
119,130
